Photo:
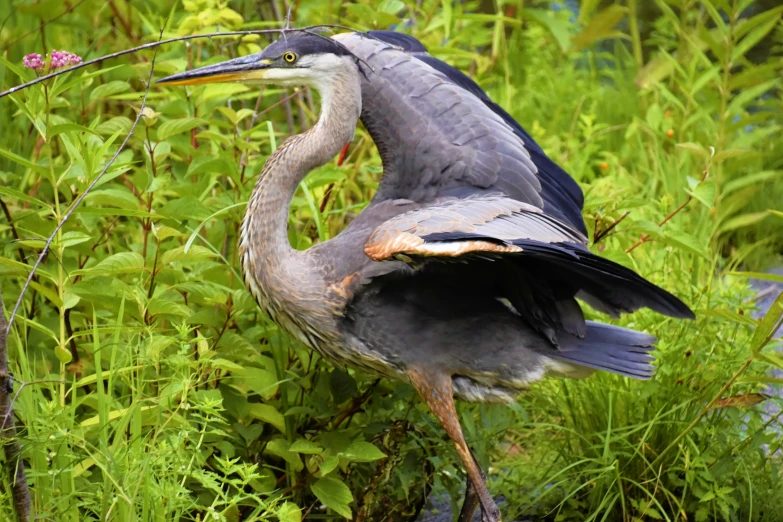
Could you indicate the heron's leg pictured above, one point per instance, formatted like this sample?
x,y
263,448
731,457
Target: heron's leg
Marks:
x,y
436,391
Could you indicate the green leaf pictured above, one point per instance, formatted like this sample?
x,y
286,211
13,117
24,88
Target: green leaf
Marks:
x,y
109,89
363,452
122,263
220,212
173,127
556,27
289,512
21,196
705,192
342,386
117,124
269,414
769,324
686,242
758,275
63,354
745,220
195,254
335,495
751,179
280,447
114,198
757,28
306,446
21,161
391,6
601,26
256,380
772,359
117,212
160,305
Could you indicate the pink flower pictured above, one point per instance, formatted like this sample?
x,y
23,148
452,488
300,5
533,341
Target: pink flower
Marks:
x,y
34,61
63,59
57,59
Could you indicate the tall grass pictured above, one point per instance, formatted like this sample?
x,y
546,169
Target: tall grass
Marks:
x,y
150,386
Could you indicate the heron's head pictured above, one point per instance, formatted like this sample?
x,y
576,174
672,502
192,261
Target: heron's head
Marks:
x,y
298,59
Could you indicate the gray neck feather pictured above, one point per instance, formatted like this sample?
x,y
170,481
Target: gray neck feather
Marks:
x,y
282,279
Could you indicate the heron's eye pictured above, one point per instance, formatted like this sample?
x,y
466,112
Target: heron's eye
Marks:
x,y
289,57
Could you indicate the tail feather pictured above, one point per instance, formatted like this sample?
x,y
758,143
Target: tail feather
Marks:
x,y
604,284
612,349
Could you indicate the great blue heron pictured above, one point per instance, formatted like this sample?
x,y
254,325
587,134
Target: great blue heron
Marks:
x,y
461,275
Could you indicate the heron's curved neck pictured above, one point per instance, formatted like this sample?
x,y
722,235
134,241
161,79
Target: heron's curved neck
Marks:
x,y
264,242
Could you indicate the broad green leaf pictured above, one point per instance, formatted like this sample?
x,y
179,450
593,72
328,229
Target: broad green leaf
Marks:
x,y
113,197
306,446
556,27
63,354
222,90
116,124
196,253
173,127
159,305
269,414
686,242
705,192
335,495
601,26
280,447
117,212
256,380
70,300
363,452
391,6
289,512
122,263
109,89
342,385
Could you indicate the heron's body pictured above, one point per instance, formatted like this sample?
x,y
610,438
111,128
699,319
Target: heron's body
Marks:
x,y
461,275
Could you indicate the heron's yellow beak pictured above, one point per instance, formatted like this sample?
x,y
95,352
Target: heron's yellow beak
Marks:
x,y
242,70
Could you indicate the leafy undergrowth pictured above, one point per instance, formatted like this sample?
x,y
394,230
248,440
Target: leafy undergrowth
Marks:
x,y
150,386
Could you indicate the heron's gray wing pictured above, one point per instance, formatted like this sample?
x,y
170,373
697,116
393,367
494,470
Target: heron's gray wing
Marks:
x,y
493,222
440,135
536,262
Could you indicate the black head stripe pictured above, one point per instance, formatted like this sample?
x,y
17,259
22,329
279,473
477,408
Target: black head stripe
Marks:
x,y
304,44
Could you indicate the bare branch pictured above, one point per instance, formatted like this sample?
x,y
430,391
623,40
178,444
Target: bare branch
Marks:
x,y
153,45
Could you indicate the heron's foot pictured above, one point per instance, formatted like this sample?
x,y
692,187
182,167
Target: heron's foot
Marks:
x,y
470,503
473,501
490,513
